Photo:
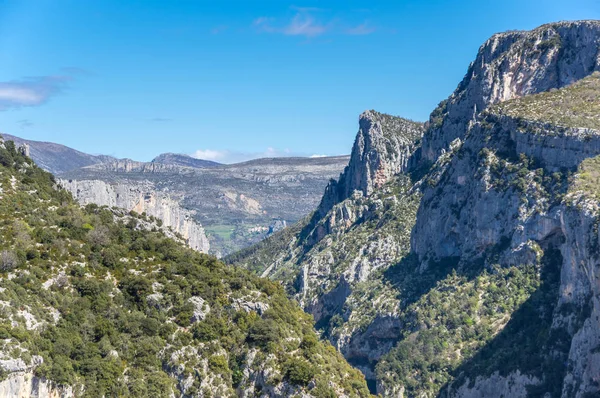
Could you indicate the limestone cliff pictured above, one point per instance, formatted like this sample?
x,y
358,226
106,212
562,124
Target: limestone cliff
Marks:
x,y
235,203
511,65
142,197
494,293
512,181
383,148
26,385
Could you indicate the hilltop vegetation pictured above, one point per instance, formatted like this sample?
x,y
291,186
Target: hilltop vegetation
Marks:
x,y
576,105
101,301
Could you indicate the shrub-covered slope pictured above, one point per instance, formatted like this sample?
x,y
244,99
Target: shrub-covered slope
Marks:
x,y
96,302
472,271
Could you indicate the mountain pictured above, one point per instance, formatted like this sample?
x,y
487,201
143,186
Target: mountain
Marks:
x,y
98,302
236,205
214,207
57,158
462,263
178,159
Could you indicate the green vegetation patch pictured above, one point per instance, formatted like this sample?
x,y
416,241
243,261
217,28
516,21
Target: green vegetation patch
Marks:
x,y
118,309
576,105
587,178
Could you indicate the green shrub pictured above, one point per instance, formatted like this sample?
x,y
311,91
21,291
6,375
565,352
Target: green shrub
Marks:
x,y
299,371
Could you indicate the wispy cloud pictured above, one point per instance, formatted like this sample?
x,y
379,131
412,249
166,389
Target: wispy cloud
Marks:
x,y
219,29
304,25
209,154
24,123
161,119
301,24
34,91
362,29
309,22
225,156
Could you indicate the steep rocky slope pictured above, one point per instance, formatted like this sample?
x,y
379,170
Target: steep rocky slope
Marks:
x,y
510,65
333,265
470,272
237,204
143,199
98,302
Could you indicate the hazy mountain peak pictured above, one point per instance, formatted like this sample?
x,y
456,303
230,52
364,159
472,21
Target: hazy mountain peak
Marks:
x,y
179,159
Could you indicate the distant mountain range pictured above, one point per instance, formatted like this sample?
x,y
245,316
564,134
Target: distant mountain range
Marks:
x,y
216,207
57,158
178,159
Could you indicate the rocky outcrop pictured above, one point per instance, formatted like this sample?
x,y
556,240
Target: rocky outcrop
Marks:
x,y
21,381
514,385
511,65
27,385
141,198
383,148
486,193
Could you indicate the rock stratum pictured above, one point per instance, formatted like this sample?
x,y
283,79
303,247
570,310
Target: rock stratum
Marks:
x,y
99,302
460,258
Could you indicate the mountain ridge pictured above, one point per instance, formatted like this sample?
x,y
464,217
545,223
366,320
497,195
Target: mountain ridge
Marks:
x,y
393,277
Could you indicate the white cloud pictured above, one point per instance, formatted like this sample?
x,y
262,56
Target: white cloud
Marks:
x,y
305,23
208,154
237,156
317,156
301,24
33,91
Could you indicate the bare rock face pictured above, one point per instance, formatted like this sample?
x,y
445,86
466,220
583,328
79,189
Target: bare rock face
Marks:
x,y
513,385
511,65
21,382
141,198
383,148
26,385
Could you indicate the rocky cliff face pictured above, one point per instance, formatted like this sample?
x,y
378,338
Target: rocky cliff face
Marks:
x,y
142,198
494,292
510,182
511,65
27,385
336,258
383,148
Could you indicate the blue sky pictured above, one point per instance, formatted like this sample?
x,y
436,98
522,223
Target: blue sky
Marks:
x,y
230,80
